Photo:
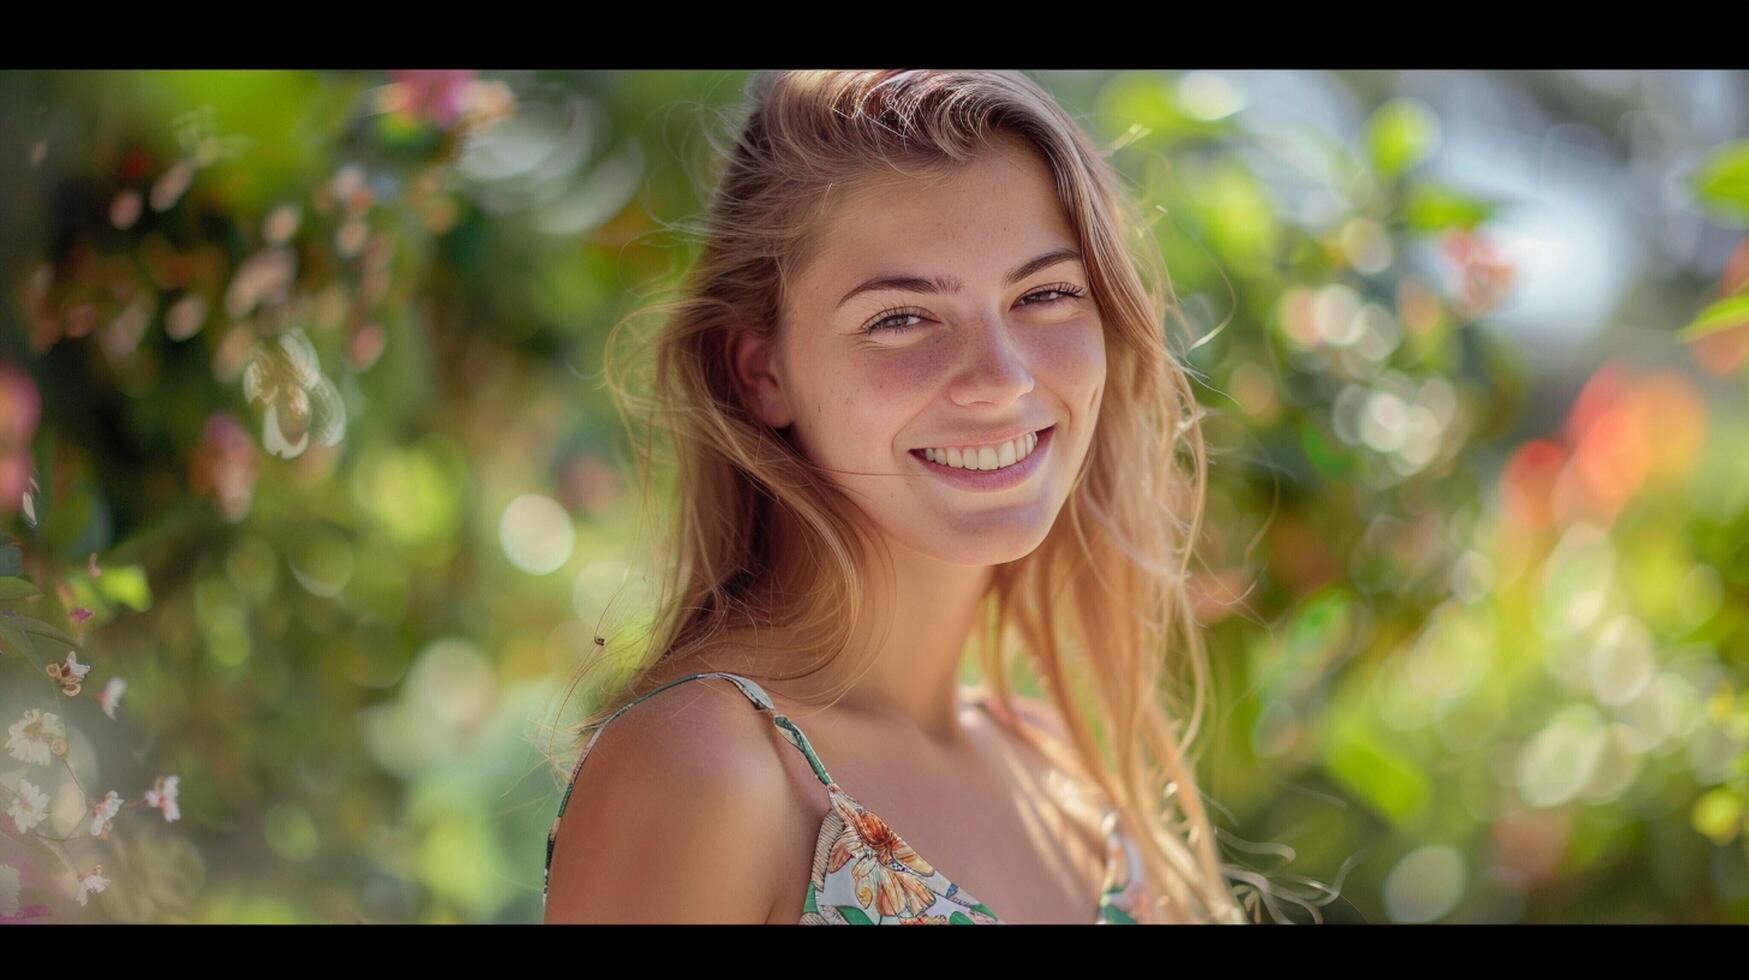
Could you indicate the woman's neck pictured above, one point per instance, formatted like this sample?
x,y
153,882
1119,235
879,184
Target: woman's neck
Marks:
x,y
914,632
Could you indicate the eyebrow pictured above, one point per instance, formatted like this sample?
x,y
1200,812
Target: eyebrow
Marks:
x,y
949,284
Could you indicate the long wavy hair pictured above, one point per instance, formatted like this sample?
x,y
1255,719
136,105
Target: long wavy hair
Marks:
x,y
761,541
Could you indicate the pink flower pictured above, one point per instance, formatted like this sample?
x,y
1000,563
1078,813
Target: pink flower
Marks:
x,y
20,410
225,466
80,615
163,797
1485,277
432,94
103,814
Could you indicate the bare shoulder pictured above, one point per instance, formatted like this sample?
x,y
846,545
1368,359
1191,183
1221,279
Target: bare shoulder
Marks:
x,y
678,814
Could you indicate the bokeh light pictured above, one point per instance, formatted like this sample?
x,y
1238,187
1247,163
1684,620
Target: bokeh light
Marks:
x,y
536,534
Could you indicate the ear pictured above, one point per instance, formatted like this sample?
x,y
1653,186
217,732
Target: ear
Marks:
x,y
753,360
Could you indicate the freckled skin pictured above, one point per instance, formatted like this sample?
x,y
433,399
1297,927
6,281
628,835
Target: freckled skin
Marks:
x,y
985,357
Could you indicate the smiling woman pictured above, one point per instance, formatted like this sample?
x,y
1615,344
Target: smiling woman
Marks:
x,y
916,394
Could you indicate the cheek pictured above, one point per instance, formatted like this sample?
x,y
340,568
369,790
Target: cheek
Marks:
x,y
1073,357
857,408
898,374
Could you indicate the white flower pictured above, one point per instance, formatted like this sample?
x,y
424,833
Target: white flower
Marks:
x,y
111,694
303,405
31,807
163,797
71,667
29,507
69,673
8,890
31,737
103,814
90,883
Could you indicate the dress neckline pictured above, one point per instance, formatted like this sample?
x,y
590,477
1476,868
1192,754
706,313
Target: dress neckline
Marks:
x,y
898,875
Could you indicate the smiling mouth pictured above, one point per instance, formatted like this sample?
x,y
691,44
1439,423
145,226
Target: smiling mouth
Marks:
x,y
1012,455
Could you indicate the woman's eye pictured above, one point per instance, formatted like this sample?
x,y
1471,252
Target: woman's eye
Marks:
x,y
1057,293
889,322
881,324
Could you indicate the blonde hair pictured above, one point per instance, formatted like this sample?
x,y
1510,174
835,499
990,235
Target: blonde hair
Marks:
x,y
762,540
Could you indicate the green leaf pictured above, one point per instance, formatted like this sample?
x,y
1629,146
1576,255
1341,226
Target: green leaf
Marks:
x,y
1329,458
1430,207
18,640
267,114
808,906
1722,180
1301,656
1401,134
1718,815
1148,99
960,919
854,915
1732,311
1376,773
38,627
126,585
1238,213
17,588
1115,915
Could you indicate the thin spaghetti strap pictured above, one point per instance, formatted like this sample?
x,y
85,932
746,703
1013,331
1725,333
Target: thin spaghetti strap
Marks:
x,y
792,734
754,693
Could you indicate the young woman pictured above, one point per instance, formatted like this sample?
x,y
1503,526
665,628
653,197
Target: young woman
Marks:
x,y
917,393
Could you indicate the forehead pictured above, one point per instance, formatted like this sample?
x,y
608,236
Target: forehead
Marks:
x,y
975,221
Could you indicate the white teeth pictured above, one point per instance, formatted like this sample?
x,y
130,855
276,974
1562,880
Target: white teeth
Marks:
x,y
985,457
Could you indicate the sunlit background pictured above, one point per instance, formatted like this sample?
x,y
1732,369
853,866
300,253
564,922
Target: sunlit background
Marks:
x,y
313,503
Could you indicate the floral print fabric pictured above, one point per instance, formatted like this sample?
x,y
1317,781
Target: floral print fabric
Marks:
x,y
865,874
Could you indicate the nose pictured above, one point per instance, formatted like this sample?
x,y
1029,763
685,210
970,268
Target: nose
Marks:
x,y
993,368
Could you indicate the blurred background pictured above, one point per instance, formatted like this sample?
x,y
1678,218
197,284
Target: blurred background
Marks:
x,y
311,501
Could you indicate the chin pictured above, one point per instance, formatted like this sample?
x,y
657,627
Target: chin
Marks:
x,y
981,548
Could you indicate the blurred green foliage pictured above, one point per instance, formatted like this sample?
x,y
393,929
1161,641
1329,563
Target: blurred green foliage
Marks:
x,y
300,437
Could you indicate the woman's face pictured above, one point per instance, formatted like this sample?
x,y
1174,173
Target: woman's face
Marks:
x,y
954,316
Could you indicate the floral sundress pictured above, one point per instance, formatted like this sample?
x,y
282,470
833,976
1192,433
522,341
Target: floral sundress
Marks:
x,y
865,874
